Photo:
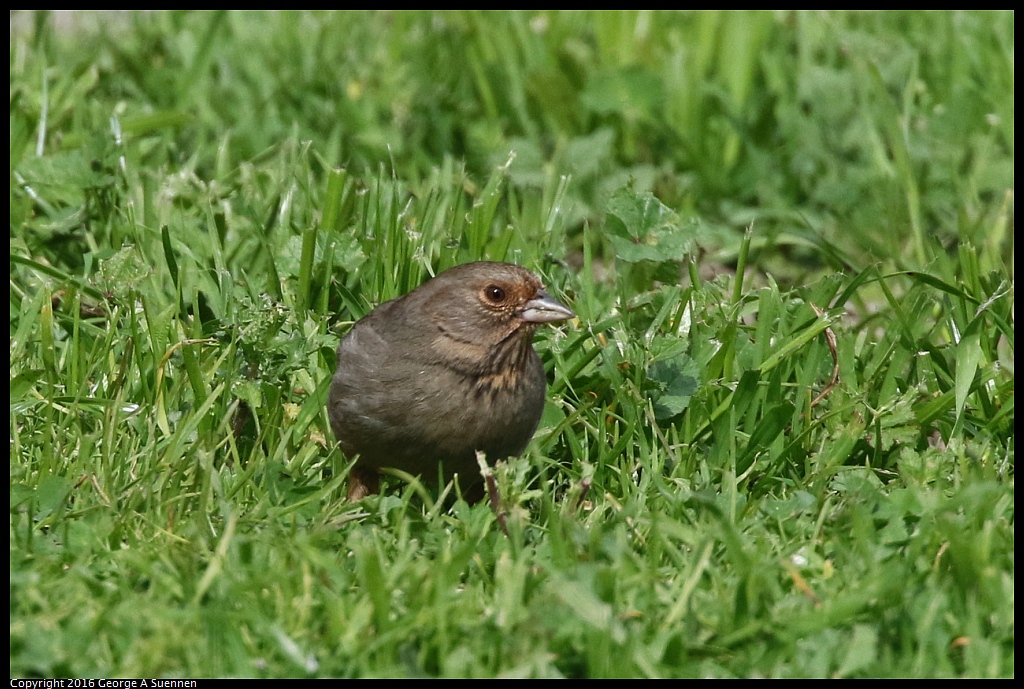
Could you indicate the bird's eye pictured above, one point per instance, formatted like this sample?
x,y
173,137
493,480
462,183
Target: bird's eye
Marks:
x,y
494,294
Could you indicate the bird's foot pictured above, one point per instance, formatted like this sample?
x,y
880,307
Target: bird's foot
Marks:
x,y
362,482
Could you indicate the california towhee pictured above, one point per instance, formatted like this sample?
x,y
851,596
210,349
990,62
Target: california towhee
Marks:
x,y
445,371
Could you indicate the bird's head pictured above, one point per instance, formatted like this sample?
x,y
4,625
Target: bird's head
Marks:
x,y
487,310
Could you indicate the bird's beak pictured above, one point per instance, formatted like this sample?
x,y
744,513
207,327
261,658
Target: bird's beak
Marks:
x,y
543,309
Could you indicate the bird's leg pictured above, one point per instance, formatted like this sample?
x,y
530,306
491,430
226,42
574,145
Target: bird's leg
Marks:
x,y
362,482
492,492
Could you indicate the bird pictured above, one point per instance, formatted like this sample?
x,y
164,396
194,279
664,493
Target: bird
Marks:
x,y
447,370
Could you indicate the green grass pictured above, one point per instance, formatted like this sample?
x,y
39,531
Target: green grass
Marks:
x,y
738,206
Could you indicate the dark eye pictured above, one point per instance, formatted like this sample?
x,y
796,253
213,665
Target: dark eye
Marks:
x,y
494,294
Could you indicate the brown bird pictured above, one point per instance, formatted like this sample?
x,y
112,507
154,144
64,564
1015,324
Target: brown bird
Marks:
x,y
445,371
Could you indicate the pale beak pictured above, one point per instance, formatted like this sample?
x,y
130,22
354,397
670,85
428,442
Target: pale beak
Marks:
x,y
543,309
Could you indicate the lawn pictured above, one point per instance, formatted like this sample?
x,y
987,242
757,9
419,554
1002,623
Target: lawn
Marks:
x,y
778,440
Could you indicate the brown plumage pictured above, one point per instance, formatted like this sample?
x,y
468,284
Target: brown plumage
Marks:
x,y
445,371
